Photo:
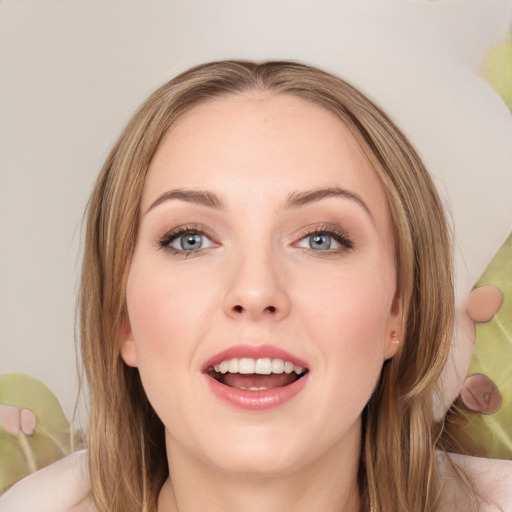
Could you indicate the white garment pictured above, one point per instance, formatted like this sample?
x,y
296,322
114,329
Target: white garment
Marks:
x,y
60,487
492,477
64,486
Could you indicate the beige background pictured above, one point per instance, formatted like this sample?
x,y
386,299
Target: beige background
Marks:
x,y
72,72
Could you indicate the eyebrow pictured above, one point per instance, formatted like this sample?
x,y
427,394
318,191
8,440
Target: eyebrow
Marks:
x,y
294,200
297,199
201,197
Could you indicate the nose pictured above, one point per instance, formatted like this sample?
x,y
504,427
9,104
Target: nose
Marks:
x,y
256,288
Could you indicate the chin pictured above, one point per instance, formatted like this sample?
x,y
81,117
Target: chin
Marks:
x,y
259,460
263,450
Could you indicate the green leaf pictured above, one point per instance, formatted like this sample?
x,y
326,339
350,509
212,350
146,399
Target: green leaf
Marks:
x,y
493,358
52,439
499,69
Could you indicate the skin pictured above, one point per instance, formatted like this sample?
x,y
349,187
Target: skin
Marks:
x,y
256,280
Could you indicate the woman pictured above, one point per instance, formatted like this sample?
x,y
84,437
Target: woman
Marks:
x,y
267,305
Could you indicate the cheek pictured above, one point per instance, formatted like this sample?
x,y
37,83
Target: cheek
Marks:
x,y
168,317
348,318
353,307
165,306
167,312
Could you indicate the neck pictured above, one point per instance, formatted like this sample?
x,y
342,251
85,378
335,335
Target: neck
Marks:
x,y
327,484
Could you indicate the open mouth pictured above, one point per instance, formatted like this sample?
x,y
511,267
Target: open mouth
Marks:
x,y
256,374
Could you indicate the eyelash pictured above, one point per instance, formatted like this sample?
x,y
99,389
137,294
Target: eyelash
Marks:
x,y
336,234
165,242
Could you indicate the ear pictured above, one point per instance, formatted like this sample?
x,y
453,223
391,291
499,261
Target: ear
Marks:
x,y
394,332
126,342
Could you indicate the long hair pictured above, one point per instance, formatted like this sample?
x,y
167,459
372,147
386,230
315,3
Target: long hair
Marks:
x,y
127,460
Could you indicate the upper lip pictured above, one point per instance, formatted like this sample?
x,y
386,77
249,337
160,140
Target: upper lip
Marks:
x,y
254,352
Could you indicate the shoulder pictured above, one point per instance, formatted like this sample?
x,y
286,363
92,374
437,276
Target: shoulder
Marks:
x,y
60,487
491,477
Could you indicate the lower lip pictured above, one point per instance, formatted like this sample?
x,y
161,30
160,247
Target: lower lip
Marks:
x,y
261,400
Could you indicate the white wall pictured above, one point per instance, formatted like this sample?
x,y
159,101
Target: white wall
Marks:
x,y
71,73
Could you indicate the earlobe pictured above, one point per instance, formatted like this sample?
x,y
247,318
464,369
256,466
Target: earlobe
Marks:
x,y
395,329
392,344
127,347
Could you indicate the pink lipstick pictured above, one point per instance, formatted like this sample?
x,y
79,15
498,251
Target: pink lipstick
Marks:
x,y
255,377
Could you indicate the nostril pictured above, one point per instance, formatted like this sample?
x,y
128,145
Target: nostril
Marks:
x,y
240,309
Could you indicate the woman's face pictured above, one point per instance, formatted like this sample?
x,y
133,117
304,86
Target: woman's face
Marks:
x,y
262,291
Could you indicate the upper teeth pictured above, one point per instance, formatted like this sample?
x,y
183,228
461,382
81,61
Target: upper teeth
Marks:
x,y
263,366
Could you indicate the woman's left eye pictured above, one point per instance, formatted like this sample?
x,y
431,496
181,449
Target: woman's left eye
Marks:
x,y
186,241
323,241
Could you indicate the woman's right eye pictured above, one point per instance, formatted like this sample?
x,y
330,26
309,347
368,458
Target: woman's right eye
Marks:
x,y
186,241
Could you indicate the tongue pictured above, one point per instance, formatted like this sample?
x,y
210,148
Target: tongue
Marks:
x,y
236,380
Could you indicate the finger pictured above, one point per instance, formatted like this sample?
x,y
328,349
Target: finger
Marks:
x,y
10,419
483,303
28,422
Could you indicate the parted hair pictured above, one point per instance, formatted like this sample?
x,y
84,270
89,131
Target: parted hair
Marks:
x,y
126,447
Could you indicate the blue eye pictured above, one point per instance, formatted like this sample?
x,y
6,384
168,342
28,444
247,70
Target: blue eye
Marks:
x,y
320,242
323,240
189,242
185,240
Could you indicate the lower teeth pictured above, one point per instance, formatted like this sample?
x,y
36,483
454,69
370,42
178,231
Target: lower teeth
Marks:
x,y
253,388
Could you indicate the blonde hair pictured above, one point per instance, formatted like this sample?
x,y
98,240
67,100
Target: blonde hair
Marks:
x,y
125,437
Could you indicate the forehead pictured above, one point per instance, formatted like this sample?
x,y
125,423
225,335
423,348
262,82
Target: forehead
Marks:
x,y
260,145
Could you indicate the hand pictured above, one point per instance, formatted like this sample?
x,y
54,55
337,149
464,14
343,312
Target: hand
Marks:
x,y
15,420
479,393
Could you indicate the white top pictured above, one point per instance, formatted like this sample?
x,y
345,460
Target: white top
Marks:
x,y
60,487
64,486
